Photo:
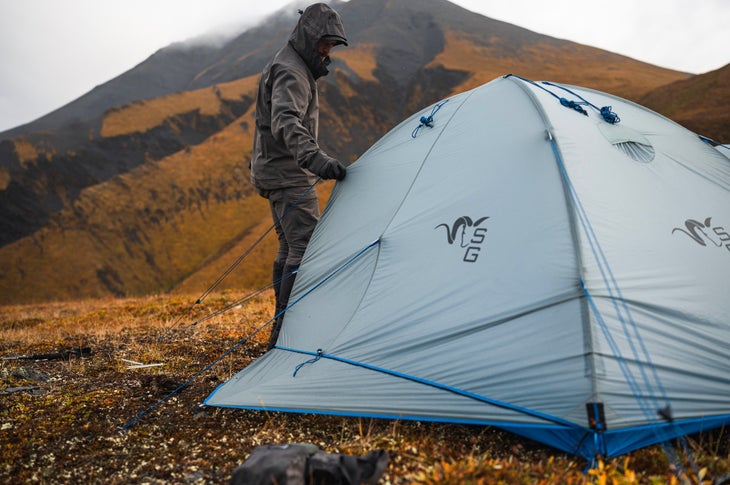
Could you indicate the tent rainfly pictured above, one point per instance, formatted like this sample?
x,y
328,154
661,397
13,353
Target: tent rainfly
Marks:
x,y
548,259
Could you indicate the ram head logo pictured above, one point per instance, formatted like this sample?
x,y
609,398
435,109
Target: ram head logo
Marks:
x,y
462,230
700,232
705,233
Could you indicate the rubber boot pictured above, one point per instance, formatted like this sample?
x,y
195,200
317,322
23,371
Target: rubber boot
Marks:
x,y
275,329
287,283
277,274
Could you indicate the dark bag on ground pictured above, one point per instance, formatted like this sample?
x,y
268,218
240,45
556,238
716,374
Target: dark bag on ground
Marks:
x,y
305,464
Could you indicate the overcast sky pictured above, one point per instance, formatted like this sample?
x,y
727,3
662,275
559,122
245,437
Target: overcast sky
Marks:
x,y
53,51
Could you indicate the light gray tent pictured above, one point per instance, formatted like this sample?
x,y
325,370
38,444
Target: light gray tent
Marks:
x,y
724,149
548,259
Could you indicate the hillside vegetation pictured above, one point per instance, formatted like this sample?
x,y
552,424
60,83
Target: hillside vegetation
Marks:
x,y
699,103
146,229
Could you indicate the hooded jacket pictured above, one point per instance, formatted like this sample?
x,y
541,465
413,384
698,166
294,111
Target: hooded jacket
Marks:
x,y
285,149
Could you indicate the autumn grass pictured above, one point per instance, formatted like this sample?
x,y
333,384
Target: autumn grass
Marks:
x,y
143,115
600,70
64,427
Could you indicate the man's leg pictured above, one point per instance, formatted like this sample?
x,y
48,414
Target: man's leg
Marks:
x,y
297,211
282,299
283,250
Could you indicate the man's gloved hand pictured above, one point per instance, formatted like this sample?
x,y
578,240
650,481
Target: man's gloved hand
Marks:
x,y
333,170
328,168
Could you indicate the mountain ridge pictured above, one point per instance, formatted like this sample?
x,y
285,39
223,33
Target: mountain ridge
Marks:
x,y
152,191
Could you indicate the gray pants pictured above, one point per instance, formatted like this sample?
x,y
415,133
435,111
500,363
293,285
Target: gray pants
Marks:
x,y
295,212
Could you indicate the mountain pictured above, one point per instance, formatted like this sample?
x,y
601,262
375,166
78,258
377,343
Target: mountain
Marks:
x,y
141,185
700,103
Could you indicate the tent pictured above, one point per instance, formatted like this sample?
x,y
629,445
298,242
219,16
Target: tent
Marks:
x,y
548,259
724,149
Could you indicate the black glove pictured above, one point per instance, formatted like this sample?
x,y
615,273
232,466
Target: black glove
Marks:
x,y
334,170
327,168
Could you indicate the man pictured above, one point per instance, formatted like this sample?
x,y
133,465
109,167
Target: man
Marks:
x,y
286,160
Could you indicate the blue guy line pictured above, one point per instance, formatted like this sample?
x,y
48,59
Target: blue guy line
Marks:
x,y
616,295
330,276
611,285
530,412
428,120
606,113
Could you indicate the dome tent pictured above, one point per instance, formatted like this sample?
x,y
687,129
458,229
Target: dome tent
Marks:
x,y
548,259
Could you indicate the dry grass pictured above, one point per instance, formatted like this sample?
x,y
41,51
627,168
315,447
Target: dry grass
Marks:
x,y
64,427
146,229
140,116
25,150
361,59
600,70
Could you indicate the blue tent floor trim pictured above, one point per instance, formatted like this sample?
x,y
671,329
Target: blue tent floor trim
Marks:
x,y
566,436
580,442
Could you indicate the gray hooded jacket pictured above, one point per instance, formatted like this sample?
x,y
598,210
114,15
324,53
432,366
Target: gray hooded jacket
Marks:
x,y
285,149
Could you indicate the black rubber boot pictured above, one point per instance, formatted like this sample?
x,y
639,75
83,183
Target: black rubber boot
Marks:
x,y
275,329
287,283
277,274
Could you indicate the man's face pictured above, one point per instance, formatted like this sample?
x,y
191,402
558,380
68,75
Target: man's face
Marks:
x,y
324,46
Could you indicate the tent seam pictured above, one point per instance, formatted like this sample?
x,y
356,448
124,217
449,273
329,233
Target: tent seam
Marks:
x,y
574,231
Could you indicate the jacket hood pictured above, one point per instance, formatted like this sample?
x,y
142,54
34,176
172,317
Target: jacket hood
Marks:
x,y
316,22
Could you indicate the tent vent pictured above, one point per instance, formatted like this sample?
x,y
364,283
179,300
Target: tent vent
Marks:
x,y
628,141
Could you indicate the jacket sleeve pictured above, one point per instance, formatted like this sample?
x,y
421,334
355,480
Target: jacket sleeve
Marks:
x,y
290,98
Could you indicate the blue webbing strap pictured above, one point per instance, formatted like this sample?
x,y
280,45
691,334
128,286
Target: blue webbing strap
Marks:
x,y
320,354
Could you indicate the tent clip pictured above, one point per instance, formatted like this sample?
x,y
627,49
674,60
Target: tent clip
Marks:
x,y
310,361
596,416
597,422
428,120
573,105
666,413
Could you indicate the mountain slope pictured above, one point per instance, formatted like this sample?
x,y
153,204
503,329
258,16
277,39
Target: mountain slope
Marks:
x,y
148,191
700,103
141,231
